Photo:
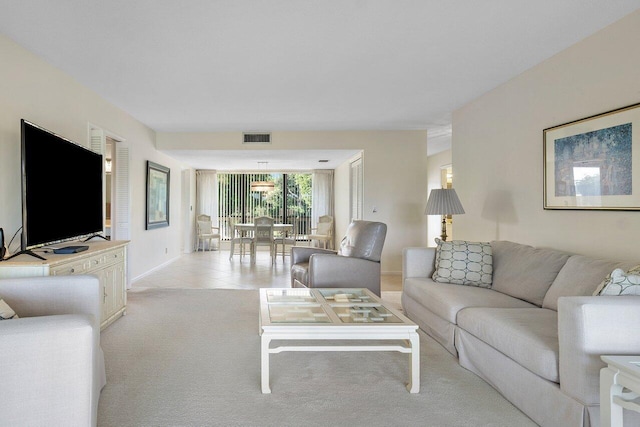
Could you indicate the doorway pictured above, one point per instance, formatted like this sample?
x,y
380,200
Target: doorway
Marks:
x,y
108,193
446,181
116,188
356,195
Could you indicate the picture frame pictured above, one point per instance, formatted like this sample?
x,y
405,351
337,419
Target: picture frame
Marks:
x,y
157,206
594,163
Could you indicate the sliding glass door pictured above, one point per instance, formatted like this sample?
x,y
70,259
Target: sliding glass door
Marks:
x,y
288,202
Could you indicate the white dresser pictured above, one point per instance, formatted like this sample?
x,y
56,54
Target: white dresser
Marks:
x,y
106,260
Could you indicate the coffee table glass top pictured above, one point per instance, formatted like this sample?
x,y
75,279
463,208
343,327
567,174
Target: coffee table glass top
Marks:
x,y
290,296
365,313
289,313
348,295
322,306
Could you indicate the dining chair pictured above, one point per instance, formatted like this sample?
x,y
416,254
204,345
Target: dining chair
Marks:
x,y
323,232
206,231
238,238
286,240
263,236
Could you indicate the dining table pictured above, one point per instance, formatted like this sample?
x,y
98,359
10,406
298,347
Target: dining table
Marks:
x,y
244,227
248,226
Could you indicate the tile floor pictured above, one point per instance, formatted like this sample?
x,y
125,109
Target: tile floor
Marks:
x,y
213,269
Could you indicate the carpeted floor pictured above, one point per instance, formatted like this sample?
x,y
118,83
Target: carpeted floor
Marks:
x,y
191,357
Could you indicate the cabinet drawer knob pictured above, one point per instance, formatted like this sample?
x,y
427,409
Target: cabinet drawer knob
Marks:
x,y
73,270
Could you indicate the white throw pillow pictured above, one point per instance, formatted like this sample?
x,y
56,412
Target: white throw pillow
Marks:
x,y
6,312
464,263
621,283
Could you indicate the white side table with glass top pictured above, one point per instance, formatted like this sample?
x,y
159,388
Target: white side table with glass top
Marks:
x,y
619,388
335,314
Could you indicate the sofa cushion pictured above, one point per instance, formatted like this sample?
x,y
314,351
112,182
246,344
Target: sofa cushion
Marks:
x,y
621,283
523,271
463,263
580,276
529,336
447,300
6,312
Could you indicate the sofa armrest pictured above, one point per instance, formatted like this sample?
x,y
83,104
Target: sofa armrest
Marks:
x,y
334,271
589,327
302,253
418,262
50,295
47,370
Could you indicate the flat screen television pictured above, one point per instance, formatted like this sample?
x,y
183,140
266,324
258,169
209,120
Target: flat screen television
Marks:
x,y
61,188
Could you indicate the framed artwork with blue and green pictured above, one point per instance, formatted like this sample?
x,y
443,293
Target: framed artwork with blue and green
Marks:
x,y
157,196
594,163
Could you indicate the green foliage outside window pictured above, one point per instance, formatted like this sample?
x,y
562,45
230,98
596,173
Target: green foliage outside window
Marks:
x,y
293,206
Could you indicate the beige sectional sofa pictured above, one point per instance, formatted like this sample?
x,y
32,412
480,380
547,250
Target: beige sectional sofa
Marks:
x,y
537,334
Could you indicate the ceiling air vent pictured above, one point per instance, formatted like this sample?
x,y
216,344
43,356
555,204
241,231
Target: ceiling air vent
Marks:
x,y
256,138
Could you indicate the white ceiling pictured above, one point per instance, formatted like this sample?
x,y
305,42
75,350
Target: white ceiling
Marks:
x,y
247,65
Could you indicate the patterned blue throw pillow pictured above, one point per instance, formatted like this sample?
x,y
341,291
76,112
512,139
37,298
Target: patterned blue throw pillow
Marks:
x,y
6,312
621,283
464,263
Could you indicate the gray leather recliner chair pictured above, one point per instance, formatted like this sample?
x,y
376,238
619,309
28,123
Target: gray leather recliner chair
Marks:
x,y
355,265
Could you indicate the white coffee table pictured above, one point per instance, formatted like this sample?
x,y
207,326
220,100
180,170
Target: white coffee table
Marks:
x,y
338,314
622,373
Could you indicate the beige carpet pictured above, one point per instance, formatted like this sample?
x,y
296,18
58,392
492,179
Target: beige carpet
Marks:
x,y
191,357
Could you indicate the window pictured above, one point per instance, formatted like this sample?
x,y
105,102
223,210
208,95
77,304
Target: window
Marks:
x,y
289,202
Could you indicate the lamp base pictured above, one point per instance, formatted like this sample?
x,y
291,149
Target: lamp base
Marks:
x,y
443,236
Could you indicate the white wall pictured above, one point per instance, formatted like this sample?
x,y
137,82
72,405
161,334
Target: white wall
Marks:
x,y
34,90
342,208
395,162
395,176
497,147
188,210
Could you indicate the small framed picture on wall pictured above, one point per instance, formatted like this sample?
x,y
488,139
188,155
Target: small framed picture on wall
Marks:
x,y
157,196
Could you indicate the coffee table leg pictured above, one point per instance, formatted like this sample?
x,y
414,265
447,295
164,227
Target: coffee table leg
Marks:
x,y
264,369
414,384
610,413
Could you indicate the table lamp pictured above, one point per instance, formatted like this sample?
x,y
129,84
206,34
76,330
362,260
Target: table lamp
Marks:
x,y
443,201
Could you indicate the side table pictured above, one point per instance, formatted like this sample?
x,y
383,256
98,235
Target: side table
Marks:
x,y
619,388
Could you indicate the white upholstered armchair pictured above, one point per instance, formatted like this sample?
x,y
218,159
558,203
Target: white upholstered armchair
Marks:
x,y
50,357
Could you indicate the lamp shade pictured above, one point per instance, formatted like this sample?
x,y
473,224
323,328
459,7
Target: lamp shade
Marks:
x,y
443,201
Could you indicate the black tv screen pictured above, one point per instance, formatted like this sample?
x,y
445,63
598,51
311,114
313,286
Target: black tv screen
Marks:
x,y
61,188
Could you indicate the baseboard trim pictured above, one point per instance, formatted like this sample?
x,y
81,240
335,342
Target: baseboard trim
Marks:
x,y
146,273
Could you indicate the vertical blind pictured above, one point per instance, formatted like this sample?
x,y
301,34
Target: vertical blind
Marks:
x,y
289,202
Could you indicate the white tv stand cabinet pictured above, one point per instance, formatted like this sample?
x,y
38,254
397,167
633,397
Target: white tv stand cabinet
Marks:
x,y
107,260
